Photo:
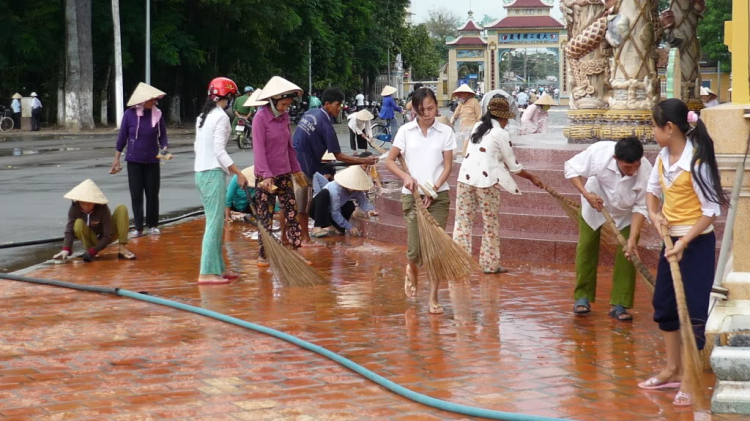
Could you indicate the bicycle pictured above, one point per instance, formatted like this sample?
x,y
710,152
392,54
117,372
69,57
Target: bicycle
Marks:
x,y
6,120
382,131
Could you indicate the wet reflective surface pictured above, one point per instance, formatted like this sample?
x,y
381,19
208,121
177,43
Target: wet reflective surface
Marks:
x,y
505,342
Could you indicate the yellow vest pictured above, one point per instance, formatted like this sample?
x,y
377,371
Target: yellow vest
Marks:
x,y
681,203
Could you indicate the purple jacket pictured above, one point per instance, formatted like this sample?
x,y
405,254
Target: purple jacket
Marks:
x,y
142,140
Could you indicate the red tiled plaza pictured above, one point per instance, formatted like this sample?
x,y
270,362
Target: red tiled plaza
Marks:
x,y
505,342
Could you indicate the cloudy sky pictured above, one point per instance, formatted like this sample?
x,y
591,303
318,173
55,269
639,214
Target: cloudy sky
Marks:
x,y
492,8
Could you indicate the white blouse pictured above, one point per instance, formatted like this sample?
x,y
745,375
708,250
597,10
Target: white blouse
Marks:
x,y
490,161
211,142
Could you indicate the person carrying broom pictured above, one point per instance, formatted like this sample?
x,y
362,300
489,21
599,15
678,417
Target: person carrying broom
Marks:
x,y
685,195
427,147
617,178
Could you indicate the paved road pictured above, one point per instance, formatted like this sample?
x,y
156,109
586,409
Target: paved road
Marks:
x,y
35,172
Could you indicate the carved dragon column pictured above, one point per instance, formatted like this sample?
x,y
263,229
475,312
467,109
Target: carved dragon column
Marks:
x,y
681,31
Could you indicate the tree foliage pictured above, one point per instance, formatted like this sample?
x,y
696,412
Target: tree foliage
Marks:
x,y
711,32
193,41
420,53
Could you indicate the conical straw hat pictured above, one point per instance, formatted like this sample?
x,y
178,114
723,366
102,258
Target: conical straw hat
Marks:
x,y
253,100
364,115
328,157
249,173
144,92
388,90
17,96
33,94
278,86
545,99
464,88
87,192
354,178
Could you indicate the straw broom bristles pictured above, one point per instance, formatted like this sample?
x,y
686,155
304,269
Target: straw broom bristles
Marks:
x,y
610,234
287,265
691,362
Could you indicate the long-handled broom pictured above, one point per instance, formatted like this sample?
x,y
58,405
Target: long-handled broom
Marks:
x,y
691,362
610,234
443,258
288,266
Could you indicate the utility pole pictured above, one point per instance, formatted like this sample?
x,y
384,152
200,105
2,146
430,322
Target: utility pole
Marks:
x,y
118,61
525,74
389,63
309,68
148,42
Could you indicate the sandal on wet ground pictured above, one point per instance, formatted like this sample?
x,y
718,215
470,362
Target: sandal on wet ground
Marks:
x,y
682,399
436,309
620,313
213,281
655,384
582,302
263,263
319,233
126,256
491,271
230,275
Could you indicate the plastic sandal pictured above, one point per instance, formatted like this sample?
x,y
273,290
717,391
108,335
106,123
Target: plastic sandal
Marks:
x,y
436,309
654,384
617,312
409,288
126,256
582,302
495,271
682,399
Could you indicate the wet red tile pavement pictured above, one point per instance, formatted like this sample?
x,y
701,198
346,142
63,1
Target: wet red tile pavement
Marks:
x,y
507,342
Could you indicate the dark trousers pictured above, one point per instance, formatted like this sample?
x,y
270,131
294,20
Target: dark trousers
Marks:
x,y
17,121
144,178
36,118
697,269
356,141
321,210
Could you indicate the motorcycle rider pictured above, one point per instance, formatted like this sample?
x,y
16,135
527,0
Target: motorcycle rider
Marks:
x,y
239,107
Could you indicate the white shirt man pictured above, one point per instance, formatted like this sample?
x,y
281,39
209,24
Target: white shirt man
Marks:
x,y
522,99
360,101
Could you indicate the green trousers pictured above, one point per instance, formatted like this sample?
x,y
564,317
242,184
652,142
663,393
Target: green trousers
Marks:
x,y
120,221
439,210
212,189
587,260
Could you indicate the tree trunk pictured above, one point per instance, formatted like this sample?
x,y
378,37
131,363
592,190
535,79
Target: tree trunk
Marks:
x,y
72,68
61,90
87,63
104,97
175,103
118,62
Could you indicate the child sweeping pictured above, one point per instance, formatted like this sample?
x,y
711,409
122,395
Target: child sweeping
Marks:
x,y
686,176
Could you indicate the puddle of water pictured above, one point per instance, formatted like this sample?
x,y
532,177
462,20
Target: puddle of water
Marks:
x,y
23,151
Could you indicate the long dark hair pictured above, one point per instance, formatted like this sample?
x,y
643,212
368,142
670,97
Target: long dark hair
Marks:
x,y
675,111
207,108
418,98
483,128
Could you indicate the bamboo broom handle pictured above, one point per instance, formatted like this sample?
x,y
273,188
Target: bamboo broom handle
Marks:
x,y
415,193
647,276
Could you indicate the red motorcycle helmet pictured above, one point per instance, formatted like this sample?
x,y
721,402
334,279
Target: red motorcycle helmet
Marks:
x,y
222,87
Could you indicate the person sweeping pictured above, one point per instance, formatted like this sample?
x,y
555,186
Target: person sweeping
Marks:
x,y
536,116
488,163
90,221
427,147
685,195
617,175
360,131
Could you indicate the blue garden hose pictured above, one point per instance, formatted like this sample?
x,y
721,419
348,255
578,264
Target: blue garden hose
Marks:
x,y
380,380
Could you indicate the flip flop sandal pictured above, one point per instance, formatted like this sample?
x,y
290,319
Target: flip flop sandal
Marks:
x,y
263,263
582,302
654,384
319,234
495,271
230,275
682,399
214,282
618,312
436,309
409,288
126,256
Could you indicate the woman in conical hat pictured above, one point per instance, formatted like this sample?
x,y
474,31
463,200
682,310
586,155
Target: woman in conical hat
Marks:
x,y
275,160
360,130
90,221
388,109
468,112
144,133
333,206
709,97
535,116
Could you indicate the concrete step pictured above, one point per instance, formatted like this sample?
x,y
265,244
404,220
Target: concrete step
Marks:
x,y
731,363
539,247
731,397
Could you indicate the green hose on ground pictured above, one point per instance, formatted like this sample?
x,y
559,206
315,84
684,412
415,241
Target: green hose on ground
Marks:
x,y
380,380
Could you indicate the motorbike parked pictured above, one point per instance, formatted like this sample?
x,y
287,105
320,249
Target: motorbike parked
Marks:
x,y
244,132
